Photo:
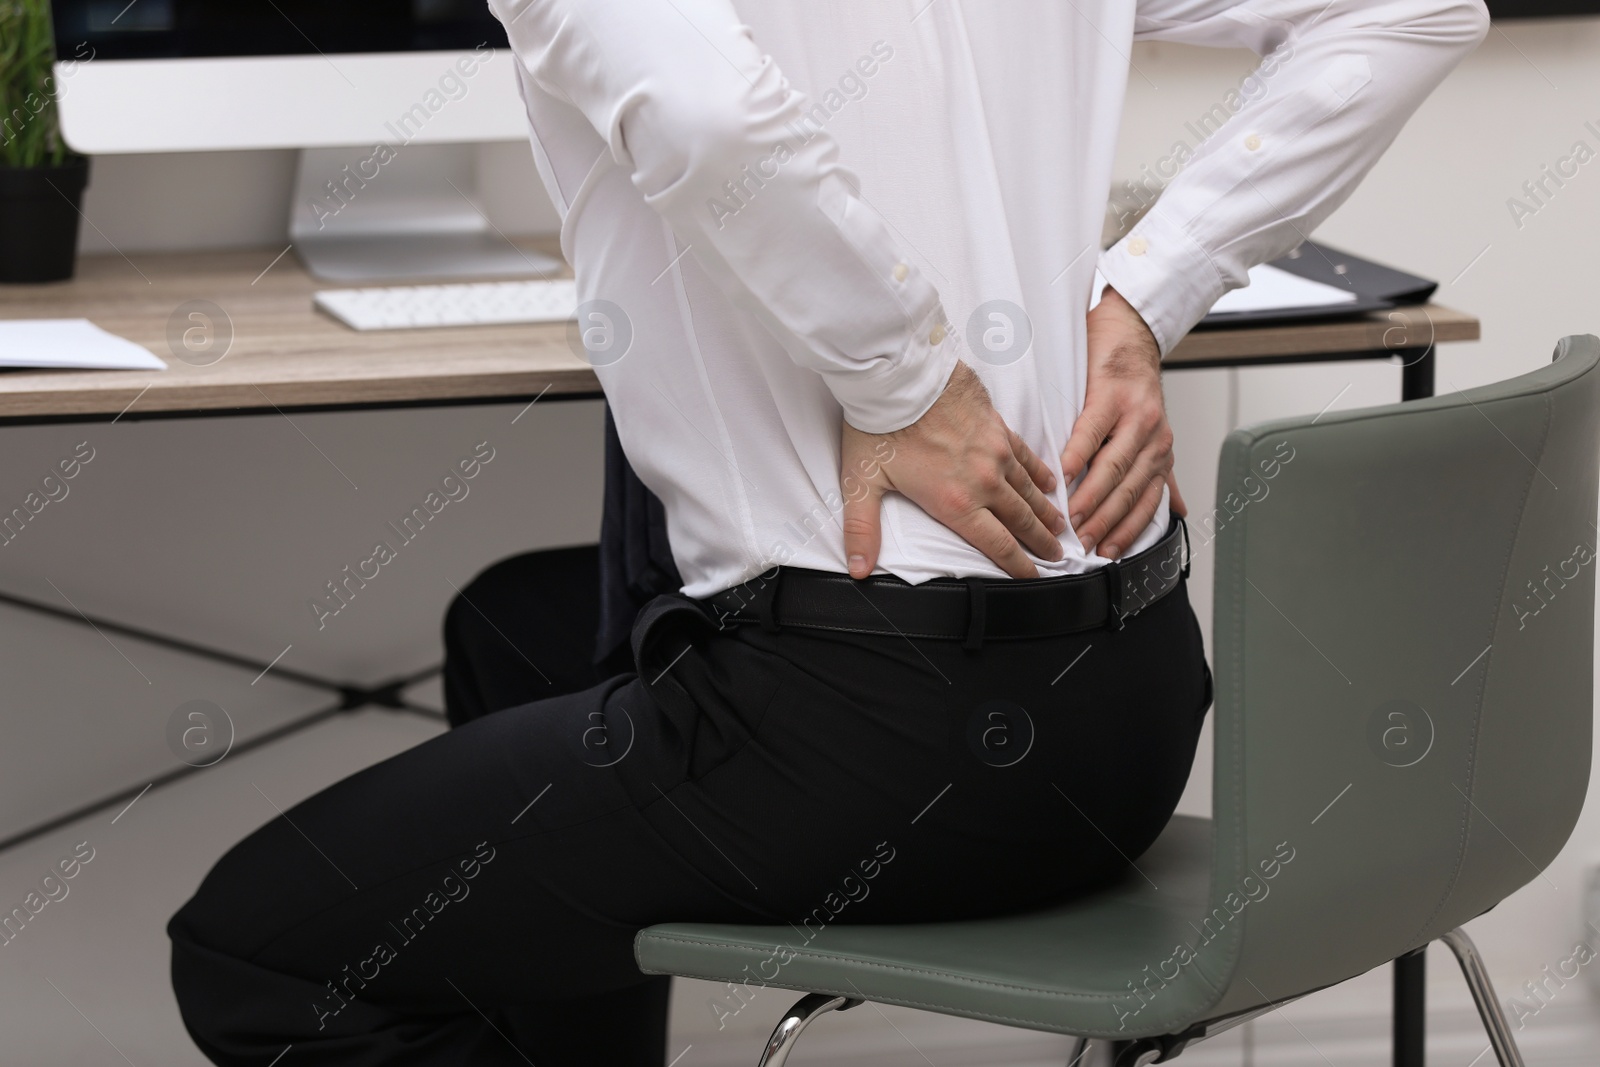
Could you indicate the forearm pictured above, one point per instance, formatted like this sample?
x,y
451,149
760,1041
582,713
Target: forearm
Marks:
x,y
1339,80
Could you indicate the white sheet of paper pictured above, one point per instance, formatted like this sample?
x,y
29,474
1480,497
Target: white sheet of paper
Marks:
x,y
73,343
1270,288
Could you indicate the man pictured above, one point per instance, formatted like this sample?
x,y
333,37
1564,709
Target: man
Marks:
x,y
933,640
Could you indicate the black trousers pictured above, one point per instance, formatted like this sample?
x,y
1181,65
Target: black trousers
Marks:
x,y
474,899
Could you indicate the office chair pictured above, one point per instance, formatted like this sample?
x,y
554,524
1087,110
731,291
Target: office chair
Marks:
x,y
1404,650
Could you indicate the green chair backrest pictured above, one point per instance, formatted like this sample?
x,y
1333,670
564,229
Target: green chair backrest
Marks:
x,y
1404,648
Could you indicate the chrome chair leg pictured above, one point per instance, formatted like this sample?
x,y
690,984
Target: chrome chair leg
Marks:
x,y
1097,1052
1109,1052
796,1019
1494,1018
1082,1053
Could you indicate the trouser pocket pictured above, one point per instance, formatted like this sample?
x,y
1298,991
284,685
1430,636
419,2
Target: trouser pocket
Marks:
x,y
709,685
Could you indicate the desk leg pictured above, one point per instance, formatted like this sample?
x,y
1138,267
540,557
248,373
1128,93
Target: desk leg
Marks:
x,y
1416,373
1410,1008
1411,970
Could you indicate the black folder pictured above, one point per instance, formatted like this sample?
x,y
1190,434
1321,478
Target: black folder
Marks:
x,y
1376,287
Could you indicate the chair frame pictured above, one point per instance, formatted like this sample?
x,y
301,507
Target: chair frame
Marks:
x,y
1099,1052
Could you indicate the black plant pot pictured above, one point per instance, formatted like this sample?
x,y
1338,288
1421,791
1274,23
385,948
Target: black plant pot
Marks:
x,y
39,220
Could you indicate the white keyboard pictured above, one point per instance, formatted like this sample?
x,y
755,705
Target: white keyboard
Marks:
x,y
406,307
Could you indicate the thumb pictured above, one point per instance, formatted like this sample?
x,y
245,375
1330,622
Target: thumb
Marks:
x,y
862,484
863,531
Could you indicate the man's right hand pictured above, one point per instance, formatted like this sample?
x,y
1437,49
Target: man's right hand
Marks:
x,y
962,465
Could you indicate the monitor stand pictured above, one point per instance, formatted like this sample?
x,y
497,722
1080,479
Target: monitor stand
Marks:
x,y
366,214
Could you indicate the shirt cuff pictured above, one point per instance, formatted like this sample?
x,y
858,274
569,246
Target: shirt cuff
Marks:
x,y
1166,275
898,391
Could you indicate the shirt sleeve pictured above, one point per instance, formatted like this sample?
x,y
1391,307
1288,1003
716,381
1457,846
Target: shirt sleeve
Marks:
x,y
1267,163
718,143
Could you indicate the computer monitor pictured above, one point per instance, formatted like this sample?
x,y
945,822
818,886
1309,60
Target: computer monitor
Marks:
x,y
384,98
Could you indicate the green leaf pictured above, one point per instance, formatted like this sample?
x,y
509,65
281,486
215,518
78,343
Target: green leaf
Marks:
x,y
30,127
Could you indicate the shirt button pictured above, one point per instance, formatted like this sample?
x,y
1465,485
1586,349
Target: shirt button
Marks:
x,y
1252,142
936,335
1137,246
900,272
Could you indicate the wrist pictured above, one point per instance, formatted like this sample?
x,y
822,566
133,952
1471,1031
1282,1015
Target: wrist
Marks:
x,y
1121,342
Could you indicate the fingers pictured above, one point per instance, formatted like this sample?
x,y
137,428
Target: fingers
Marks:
x,y
1026,483
863,531
1089,431
983,531
1095,506
1025,518
1038,471
1116,543
1139,451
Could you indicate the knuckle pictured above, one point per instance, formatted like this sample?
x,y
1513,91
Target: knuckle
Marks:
x,y
857,526
952,500
998,544
988,478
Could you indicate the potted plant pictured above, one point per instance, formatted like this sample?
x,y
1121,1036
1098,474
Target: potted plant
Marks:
x,y
41,180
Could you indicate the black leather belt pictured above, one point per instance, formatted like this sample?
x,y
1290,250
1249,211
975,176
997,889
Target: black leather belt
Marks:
x,y
970,610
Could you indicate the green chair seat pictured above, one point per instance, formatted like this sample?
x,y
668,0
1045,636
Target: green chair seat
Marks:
x,y
1068,969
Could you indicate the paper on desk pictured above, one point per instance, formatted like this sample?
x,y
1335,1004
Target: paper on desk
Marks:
x,y
74,343
1270,289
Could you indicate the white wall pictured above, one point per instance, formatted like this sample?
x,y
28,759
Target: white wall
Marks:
x,y
212,527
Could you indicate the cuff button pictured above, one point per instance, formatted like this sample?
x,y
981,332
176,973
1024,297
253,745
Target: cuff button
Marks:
x,y
936,335
901,271
1138,246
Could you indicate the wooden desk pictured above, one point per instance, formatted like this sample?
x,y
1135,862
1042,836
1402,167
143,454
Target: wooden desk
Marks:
x,y
288,356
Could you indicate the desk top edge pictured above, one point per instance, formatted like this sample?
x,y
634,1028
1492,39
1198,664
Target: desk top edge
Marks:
x,y
293,355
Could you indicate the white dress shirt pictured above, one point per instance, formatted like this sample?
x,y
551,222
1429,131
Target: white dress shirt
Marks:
x,y
793,211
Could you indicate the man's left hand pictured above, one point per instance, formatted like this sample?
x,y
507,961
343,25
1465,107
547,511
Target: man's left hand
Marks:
x,y
1122,435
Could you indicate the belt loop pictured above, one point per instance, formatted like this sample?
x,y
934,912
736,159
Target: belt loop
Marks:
x,y
1188,553
977,613
767,600
1113,571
